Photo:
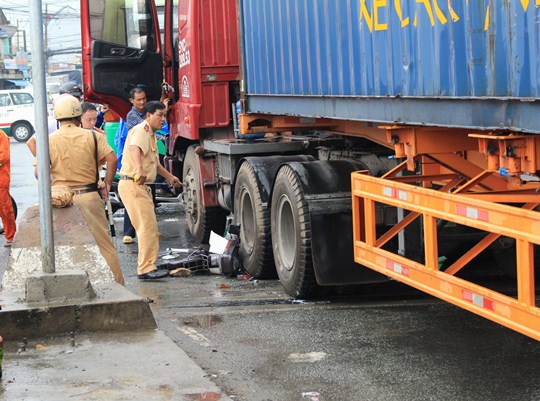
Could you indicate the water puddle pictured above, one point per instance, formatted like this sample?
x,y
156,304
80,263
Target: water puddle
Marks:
x,y
247,302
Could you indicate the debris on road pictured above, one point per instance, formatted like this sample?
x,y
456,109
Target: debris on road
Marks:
x,y
180,272
311,396
219,259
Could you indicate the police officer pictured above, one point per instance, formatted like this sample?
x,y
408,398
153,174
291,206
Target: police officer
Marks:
x,y
69,88
73,163
140,165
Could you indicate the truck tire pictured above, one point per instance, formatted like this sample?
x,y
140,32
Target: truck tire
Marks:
x,y
291,234
200,220
254,219
21,131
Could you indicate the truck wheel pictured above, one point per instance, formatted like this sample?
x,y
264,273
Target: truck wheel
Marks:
x,y
200,220
21,131
291,234
254,219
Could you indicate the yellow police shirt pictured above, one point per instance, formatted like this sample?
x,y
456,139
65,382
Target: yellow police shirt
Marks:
x,y
72,153
142,136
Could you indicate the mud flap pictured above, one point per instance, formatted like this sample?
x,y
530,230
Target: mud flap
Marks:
x,y
327,189
332,252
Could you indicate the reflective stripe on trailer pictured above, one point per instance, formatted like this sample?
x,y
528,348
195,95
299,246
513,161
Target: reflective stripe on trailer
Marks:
x,y
472,213
396,193
397,267
476,299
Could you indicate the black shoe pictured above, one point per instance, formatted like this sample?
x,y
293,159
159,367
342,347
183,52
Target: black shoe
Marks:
x,y
154,275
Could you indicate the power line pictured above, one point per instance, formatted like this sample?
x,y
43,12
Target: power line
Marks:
x,y
59,18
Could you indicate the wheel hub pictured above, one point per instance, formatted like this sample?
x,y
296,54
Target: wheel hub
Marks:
x,y
247,221
190,196
21,132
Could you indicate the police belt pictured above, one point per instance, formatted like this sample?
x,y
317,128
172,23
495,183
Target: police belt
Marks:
x,y
128,178
83,189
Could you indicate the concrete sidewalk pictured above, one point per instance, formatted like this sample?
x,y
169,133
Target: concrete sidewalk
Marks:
x,y
113,309
143,365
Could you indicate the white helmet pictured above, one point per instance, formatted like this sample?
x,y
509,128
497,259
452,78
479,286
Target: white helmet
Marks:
x,y
67,106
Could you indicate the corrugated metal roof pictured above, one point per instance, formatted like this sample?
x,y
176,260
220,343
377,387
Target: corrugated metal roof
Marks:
x,y
3,19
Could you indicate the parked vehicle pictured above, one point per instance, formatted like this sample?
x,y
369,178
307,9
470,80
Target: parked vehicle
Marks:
x,y
397,136
17,113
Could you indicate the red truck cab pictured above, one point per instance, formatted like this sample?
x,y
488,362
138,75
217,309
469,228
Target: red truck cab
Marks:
x,y
206,62
192,46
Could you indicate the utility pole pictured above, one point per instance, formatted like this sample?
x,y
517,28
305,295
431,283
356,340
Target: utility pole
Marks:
x,y
46,21
40,110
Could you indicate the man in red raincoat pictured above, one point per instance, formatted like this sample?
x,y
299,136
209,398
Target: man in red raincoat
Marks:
x,y
6,208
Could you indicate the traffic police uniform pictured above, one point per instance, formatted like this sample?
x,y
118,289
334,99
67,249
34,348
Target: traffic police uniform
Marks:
x,y
138,198
73,163
6,208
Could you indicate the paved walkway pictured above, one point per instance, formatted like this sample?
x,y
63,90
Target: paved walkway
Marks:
x,y
144,365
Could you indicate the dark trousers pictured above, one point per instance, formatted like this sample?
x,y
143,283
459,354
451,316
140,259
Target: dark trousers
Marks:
x,y
160,180
128,227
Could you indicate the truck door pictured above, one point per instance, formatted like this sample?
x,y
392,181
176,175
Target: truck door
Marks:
x,y
121,50
170,43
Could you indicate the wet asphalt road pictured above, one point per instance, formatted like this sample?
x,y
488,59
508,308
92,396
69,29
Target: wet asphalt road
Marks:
x,y
379,343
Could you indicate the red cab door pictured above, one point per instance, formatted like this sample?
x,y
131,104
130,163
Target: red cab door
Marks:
x,y
121,50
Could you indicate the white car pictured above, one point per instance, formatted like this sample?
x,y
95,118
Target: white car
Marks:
x,y
17,113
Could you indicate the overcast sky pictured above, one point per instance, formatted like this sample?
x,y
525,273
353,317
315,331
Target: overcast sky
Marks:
x,y
62,32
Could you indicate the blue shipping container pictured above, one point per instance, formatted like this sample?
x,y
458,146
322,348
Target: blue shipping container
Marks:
x,y
470,64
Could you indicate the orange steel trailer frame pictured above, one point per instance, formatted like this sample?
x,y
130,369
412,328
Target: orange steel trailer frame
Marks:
x,y
467,195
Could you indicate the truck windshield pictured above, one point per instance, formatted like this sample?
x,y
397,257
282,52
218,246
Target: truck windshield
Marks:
x,y
123,22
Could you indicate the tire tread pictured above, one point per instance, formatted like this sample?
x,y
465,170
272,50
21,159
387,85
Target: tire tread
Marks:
x,y
304,284
264,267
